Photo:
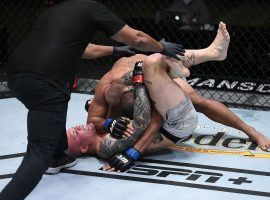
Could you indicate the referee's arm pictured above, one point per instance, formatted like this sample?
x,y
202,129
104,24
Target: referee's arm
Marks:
x,y
137,39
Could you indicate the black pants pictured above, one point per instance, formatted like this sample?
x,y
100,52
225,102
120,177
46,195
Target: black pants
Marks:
x,y
46,124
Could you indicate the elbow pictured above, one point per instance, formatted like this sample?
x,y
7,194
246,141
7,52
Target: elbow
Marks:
x,y
154,59
143,123
139,40
152,63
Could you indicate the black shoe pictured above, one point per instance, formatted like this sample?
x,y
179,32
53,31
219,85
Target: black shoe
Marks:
x,y
61,162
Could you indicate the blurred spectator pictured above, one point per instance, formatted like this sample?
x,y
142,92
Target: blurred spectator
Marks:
x,y
190,14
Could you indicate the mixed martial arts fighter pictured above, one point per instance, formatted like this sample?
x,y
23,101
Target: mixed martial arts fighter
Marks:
x,y
41,71
214,110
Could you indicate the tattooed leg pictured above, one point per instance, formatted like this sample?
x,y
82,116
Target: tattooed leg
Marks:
x,y
162,89
158,143
216,51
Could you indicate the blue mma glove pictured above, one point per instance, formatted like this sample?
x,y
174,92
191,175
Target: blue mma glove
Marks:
x,y
124,161
116,127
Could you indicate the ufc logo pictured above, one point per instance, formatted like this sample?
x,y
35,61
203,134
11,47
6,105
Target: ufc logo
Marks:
x,y
123,159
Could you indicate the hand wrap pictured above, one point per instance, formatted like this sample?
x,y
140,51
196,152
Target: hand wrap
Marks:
x,y
124,161
116,127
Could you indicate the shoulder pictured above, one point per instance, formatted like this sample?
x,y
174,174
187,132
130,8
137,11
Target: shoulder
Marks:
x,y
103,83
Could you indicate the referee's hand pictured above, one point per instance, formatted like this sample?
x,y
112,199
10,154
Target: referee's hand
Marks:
x,y
172,49
123,51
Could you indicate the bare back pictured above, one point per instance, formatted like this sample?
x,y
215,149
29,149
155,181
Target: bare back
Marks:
x,y
121,78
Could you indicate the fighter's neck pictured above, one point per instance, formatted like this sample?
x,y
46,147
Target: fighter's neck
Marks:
x,y
96,141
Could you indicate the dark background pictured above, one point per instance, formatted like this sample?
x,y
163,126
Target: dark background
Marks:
x,y
248,22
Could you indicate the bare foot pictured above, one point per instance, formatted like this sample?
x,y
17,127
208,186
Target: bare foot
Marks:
x,y
221,43
262,141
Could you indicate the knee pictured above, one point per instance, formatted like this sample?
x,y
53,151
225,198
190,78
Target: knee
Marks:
x,y
199,102
40,153
153,62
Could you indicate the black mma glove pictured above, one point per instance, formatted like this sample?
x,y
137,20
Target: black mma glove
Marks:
x,y
116,126
172,49
138,78
123,51
87,103
124,161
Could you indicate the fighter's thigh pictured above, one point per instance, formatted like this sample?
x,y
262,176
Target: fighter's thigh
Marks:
x,y
164,92
195,98
185,86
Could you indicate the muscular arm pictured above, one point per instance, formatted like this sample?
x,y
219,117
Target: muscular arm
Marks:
x,y
142,118
150,133
152,140
98,108
93,51
137,39
97,115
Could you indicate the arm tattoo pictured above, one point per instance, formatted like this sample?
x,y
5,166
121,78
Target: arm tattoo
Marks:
x,y
142,118
110,146
158,138
127,78
190,60
142,111
149,83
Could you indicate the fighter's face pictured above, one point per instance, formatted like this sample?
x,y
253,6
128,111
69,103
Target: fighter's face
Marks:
x,y
79,137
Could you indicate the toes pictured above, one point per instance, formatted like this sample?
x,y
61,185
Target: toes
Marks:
x,y
223,24
263,147
268,147
111,170
220,25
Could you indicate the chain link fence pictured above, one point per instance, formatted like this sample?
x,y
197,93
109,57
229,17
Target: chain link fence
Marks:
x,y
242,80
16,17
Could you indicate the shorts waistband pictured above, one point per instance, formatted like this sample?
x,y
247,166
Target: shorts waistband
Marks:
x,y
171,137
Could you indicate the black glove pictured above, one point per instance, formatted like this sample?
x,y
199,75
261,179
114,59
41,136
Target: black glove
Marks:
x,y
138,78
123,51
116,126
124,161
87,103
172,49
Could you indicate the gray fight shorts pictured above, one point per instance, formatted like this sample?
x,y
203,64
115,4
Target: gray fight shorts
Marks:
x,y
180,122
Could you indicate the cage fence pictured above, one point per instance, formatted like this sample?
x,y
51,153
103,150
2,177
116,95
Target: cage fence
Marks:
x,y
242,80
